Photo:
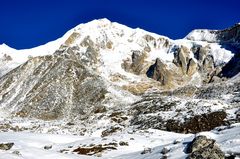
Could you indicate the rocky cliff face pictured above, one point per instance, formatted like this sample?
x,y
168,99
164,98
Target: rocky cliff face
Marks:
x,y
52,86
103,67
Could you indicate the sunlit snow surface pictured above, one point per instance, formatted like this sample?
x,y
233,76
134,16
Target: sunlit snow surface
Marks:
x,y
31,145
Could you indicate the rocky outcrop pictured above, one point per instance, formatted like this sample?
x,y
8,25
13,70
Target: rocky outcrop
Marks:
x,y
202,147
229,39
192,67
71,39
182,58
206,65
154,117
205,59
186,63
96,150
110,131
87,41
160,72
151,41
150,112
6,146
53,87
198,123
136,63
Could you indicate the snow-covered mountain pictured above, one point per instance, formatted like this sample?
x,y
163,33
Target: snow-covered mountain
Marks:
x,y
105,80
117,43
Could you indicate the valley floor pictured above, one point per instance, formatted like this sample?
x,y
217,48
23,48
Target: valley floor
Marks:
x,y
128,144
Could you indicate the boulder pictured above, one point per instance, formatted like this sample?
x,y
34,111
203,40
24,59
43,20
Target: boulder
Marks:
x,y
201,148
6,146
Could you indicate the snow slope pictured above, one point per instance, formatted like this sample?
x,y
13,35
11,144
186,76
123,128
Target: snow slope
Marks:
x,y
202,35
31,146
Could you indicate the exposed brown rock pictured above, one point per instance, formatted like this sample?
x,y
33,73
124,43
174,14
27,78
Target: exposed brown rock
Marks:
x,y
109,44
149,38
93,150
141,87
136,63
72,38
182,59
192,67
204,122
159,72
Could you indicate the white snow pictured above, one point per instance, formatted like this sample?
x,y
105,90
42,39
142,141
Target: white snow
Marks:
x,y
30,145
220,55
21,56
201,35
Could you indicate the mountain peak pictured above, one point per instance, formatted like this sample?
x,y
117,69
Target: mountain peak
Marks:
x,y
95,23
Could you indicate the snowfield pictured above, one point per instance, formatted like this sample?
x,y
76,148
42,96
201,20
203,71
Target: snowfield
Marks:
x,y
31,145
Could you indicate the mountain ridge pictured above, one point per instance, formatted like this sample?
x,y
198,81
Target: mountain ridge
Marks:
x,y
132,61
50,47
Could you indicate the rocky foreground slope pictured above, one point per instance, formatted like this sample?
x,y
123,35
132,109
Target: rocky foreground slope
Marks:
x,y
103,78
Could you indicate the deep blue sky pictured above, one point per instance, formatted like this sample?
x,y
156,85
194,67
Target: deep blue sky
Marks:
x,y
29,23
